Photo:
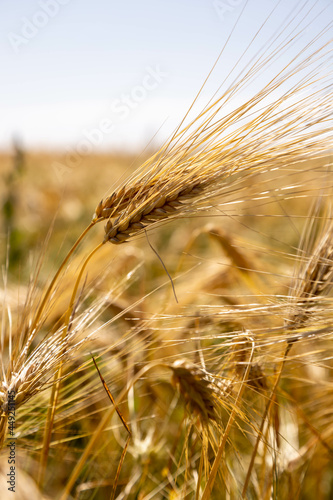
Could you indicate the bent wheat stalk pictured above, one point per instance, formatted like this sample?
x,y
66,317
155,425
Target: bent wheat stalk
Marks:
x,y
231,420
55,389
55,278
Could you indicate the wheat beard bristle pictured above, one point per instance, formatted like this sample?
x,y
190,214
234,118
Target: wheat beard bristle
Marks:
x,y
131,209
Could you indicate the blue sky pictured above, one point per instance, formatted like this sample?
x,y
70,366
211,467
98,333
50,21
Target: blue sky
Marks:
x,y
116,72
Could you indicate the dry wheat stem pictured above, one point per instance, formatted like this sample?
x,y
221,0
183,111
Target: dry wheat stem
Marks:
x,y
201,387
26,375
57,377
3,428
55,278
48,430
232,417
269,404
100,428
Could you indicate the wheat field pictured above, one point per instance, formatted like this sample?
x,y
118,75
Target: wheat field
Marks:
x,y
166,318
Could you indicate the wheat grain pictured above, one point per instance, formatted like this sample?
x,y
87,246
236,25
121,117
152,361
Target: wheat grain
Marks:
x,y
201,390
139,206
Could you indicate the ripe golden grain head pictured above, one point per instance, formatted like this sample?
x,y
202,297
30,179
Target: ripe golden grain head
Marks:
x,y
133,208
202,392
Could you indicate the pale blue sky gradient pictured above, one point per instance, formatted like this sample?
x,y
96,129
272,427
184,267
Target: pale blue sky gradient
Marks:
x,y
88,56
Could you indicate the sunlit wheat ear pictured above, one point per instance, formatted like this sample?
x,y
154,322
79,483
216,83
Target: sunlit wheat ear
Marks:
x,y
30,370
314,281
201,391
206,158
136,207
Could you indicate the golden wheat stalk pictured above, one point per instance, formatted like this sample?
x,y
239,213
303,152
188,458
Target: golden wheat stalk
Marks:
x,y
203,159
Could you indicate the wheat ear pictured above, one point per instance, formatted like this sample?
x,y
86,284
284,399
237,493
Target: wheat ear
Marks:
x,y
220,149
315,279
201,391
138,206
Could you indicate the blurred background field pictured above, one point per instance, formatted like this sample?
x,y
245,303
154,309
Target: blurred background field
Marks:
x,y
232,271
39,191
